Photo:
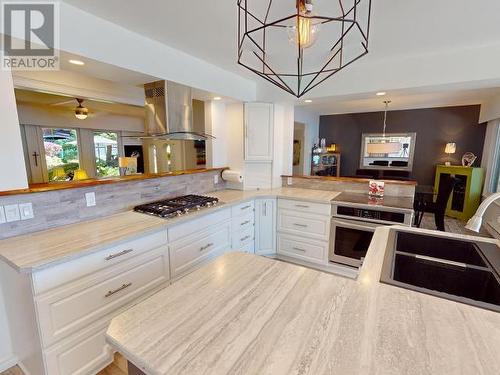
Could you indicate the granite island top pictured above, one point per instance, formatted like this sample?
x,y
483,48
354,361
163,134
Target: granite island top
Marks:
x,y
39,250
245,314
403,203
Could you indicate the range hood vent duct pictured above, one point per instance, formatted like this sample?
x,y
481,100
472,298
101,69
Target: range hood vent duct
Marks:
x,y
169,112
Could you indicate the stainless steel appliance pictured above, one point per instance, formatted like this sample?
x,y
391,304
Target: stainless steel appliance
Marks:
x,y
178,206
352,228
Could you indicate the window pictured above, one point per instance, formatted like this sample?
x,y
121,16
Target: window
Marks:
x,y
61,153
106,154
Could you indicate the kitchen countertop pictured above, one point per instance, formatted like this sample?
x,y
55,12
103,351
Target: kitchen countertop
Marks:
x,y
35,251
245,314
403,203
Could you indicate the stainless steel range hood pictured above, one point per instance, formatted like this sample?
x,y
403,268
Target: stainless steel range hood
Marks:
x,y
169,112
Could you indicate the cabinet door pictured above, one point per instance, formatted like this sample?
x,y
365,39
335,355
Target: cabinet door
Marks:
x,y
259,128
265,226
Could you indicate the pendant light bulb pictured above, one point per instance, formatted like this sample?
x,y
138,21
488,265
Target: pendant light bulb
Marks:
x,y
305,31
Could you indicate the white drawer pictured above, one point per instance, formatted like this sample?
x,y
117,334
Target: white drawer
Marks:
x,y
243,222
241,238
187,254
196,225
309,207
74,306
60,274
297,247
304,224
243,209
81,354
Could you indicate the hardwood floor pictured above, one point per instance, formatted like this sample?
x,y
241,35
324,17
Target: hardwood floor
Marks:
x,y
118,367
450,225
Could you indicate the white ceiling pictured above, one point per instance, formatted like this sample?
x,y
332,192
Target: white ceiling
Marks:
x,y
208,29
407,99
399,30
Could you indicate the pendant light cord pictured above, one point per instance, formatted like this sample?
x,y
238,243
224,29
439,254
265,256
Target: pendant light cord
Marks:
x,y
387,102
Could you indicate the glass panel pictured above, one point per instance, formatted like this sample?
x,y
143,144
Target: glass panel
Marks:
x,y
106,154
352,243
61,153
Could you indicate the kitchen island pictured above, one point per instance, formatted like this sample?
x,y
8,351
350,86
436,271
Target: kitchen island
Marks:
x,y
244,314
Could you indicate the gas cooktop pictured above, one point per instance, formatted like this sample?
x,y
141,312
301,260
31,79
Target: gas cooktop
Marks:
x,y
178,206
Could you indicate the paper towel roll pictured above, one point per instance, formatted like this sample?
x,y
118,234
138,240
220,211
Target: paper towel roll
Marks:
x,y
232,176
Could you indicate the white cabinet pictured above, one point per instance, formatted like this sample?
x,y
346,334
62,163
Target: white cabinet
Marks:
x,y
303,230
197,241
259,131
265,226
243,227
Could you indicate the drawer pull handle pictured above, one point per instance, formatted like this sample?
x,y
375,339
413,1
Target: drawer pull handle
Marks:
x,y
111,292
113,256
299,249
245,207
244,238
300,225
245,222
206,246
302,206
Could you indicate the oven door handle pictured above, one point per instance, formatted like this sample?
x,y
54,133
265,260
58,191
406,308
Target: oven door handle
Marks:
x,y
353,225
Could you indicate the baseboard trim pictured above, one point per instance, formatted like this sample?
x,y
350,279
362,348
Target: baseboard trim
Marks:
x,y
25,371
7,362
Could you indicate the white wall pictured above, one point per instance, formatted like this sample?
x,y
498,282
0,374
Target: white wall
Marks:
x,y
79,85
12,166
86,35
311,122
216,125
490,110
283,142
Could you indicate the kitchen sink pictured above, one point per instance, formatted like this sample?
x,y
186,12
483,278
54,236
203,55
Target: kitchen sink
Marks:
x,y
459,270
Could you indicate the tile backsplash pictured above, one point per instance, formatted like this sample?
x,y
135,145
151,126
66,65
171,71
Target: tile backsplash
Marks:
x,y
61,207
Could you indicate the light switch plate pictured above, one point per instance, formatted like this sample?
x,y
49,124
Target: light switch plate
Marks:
x,y
2,215
26,211
90,198
12,213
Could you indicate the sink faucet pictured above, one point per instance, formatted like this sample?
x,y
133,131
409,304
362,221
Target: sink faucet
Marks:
x,y
475,221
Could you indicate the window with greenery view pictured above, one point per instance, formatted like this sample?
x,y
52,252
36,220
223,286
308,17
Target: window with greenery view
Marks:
x,y
61,153
106,154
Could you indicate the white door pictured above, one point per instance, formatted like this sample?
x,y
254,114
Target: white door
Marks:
x,y
259,129
265,226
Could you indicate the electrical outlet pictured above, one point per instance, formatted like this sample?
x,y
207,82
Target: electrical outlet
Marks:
x,y
26,211
90,198
12,213
216,179
289,181
2,215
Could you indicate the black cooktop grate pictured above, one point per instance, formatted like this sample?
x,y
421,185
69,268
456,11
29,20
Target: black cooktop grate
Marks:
x,y
176,206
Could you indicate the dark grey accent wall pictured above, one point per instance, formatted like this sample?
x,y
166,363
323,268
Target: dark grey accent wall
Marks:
x,y
434,127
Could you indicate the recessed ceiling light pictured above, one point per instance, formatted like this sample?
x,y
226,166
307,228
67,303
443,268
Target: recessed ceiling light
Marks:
x,y
381,93
308,101
76,62
217,98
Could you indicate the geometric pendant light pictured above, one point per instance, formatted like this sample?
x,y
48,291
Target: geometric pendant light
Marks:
x,y
296,45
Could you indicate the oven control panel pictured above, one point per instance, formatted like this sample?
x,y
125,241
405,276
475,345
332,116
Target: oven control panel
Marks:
x,y
362,213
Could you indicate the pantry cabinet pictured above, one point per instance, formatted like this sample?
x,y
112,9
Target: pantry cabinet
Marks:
x,y
259,130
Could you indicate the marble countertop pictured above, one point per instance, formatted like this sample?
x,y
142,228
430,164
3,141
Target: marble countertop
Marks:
x,y
39,250
403,203
245,314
